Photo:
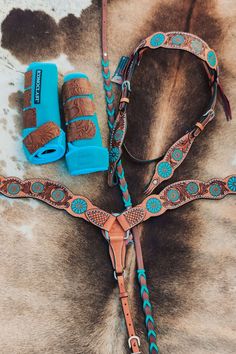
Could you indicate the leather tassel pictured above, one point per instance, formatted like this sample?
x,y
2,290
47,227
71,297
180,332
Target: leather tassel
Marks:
x,y
225,102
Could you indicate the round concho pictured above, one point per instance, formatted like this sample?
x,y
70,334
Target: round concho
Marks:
x,y
215,190
153,205
157,40
58,195
178,39
211,58
192,188
118,135
196,46
37,187
13,188
79,206
164,169
114,154
173,195
232,184
177,155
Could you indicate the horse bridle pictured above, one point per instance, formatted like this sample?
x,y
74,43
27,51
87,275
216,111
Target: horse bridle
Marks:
x,y
120,229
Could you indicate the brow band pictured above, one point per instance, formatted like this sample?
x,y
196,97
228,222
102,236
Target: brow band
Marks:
x,y
28,79
184,41
75,87
27,98
79,107
41,136
29,118
80,129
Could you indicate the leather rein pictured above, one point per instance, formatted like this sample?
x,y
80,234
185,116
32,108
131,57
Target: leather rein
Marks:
x,y
120,229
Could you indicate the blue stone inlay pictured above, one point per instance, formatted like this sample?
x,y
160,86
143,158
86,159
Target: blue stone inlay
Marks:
x,y
164,169
118,135
157,40
177,155
196,46
192,188
153,205
215,190
211,58
37,187
13,188
232,184
173,195
58,195
79,206
114,154
178,39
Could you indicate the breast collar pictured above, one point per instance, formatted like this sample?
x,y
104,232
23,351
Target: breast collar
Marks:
x,y
122,228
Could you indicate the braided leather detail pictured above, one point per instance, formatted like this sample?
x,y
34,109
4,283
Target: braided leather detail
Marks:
x,y
97,217
147,309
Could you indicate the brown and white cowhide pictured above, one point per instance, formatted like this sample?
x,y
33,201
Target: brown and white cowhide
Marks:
x,y
57,292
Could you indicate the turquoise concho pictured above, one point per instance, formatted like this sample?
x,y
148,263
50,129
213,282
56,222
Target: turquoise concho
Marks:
x,y
114,154
58,195
164,169
157,40
215,190
196,46
13,188
177,155
173,195
79,206
153,205
178,39
232,184
211,58
192,188
37,187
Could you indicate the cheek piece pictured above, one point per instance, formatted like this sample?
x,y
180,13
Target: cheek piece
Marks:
x,y
122,229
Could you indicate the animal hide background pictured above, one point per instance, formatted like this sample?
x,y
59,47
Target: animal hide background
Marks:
x,y
57,292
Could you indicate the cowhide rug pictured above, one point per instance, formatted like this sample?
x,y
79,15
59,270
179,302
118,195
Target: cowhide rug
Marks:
x,y
57,292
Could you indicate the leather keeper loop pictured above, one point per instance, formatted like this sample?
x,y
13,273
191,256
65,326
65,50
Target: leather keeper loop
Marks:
x,y
123,295
75,87
124,99
200,126
80,129
41,136
79,107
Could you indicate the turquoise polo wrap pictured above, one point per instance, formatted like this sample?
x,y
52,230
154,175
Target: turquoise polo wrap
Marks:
x,y
85,153
43,138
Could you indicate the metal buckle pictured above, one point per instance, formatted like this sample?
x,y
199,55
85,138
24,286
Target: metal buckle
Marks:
x,y
131,338
126,83
115,276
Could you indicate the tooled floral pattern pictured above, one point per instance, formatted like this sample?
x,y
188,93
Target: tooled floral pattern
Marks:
x,y
76,87
79,107
41,136
81,129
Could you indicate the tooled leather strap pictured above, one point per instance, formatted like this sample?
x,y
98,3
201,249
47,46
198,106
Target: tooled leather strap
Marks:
x,y
172,40
41,136
75,87
176,195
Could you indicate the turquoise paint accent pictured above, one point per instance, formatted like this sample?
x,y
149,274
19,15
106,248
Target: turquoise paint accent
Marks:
x,y
144,289
153,205
106,75
173,195
58,195
178,39
149,318
215,190
127,202
121,175
211,58
114,154
110,125
105,63
157,40
232,184
13,188
79,206
196,46
37,187
153,346
118,135
177,155
124,188
151,333
192,188
164,169
141,273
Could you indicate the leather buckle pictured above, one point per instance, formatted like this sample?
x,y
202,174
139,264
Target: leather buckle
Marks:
x,y
131,338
